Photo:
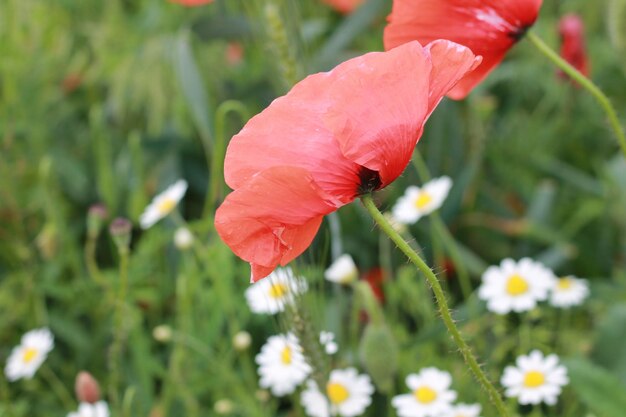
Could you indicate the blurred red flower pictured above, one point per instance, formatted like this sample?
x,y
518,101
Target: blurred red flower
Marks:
x,y
375,277
573,48
344,6
192,3
488,27
334,136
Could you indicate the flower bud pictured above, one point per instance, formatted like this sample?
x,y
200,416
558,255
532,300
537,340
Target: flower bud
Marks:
x,y
242,341
183,238
87,388
96,216
224,406
120,230
377,339
162,333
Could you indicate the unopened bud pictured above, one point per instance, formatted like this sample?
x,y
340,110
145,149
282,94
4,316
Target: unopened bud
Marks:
x,y
342,271
96,217
242,340
162,333
377,338
120,230
183,238
87,388
224,406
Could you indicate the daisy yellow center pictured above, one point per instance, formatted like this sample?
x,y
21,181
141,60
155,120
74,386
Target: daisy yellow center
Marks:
x,y
564,284
285,355
516,285
425,395
29,354
422,200
166,205
534,379
337,393
278,291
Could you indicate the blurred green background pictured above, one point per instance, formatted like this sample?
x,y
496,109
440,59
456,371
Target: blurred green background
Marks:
x,y
111,101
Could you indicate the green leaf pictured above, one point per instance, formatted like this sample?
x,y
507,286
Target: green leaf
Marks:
x,y
600,390
192,85
609,341
355,24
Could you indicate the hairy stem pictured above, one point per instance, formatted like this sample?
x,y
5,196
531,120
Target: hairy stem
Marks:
x,y
585,83
442,304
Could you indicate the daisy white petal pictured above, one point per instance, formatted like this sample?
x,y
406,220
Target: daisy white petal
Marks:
x,y
568,292
327,339
430,394
342,271
464,410
282,366
535,379
348,394
418,202
26,358
99,409
515,286
271,294
163,204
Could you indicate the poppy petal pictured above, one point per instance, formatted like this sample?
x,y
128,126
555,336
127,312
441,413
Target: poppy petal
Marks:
x,y
488,27
273,217
291,130
377,127
451,63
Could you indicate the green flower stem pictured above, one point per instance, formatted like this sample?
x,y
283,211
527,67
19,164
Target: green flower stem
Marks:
x,y
584,82
115,354
57,386
216,182
442,304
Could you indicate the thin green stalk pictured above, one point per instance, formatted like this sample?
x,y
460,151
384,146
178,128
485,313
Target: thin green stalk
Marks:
x,y
57,386
216,182
115,358
584,82
442,304
453,250
440,227
90,261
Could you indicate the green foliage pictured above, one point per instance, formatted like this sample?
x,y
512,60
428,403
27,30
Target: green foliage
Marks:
x,y
111,101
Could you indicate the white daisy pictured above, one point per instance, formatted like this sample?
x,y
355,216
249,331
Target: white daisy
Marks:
x,y
282,366
535,379
342,271
430,394
26,358
515,286
464,410
271,294
183,238
348,394
569,291
418,202
163,204
99,409
327,339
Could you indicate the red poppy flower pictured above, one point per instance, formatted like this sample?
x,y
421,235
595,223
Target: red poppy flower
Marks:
x,y
573,48
344,6
334,136
192,3
488,27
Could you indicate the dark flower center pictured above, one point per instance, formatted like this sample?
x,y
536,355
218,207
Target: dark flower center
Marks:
x,y
369,181
518,34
